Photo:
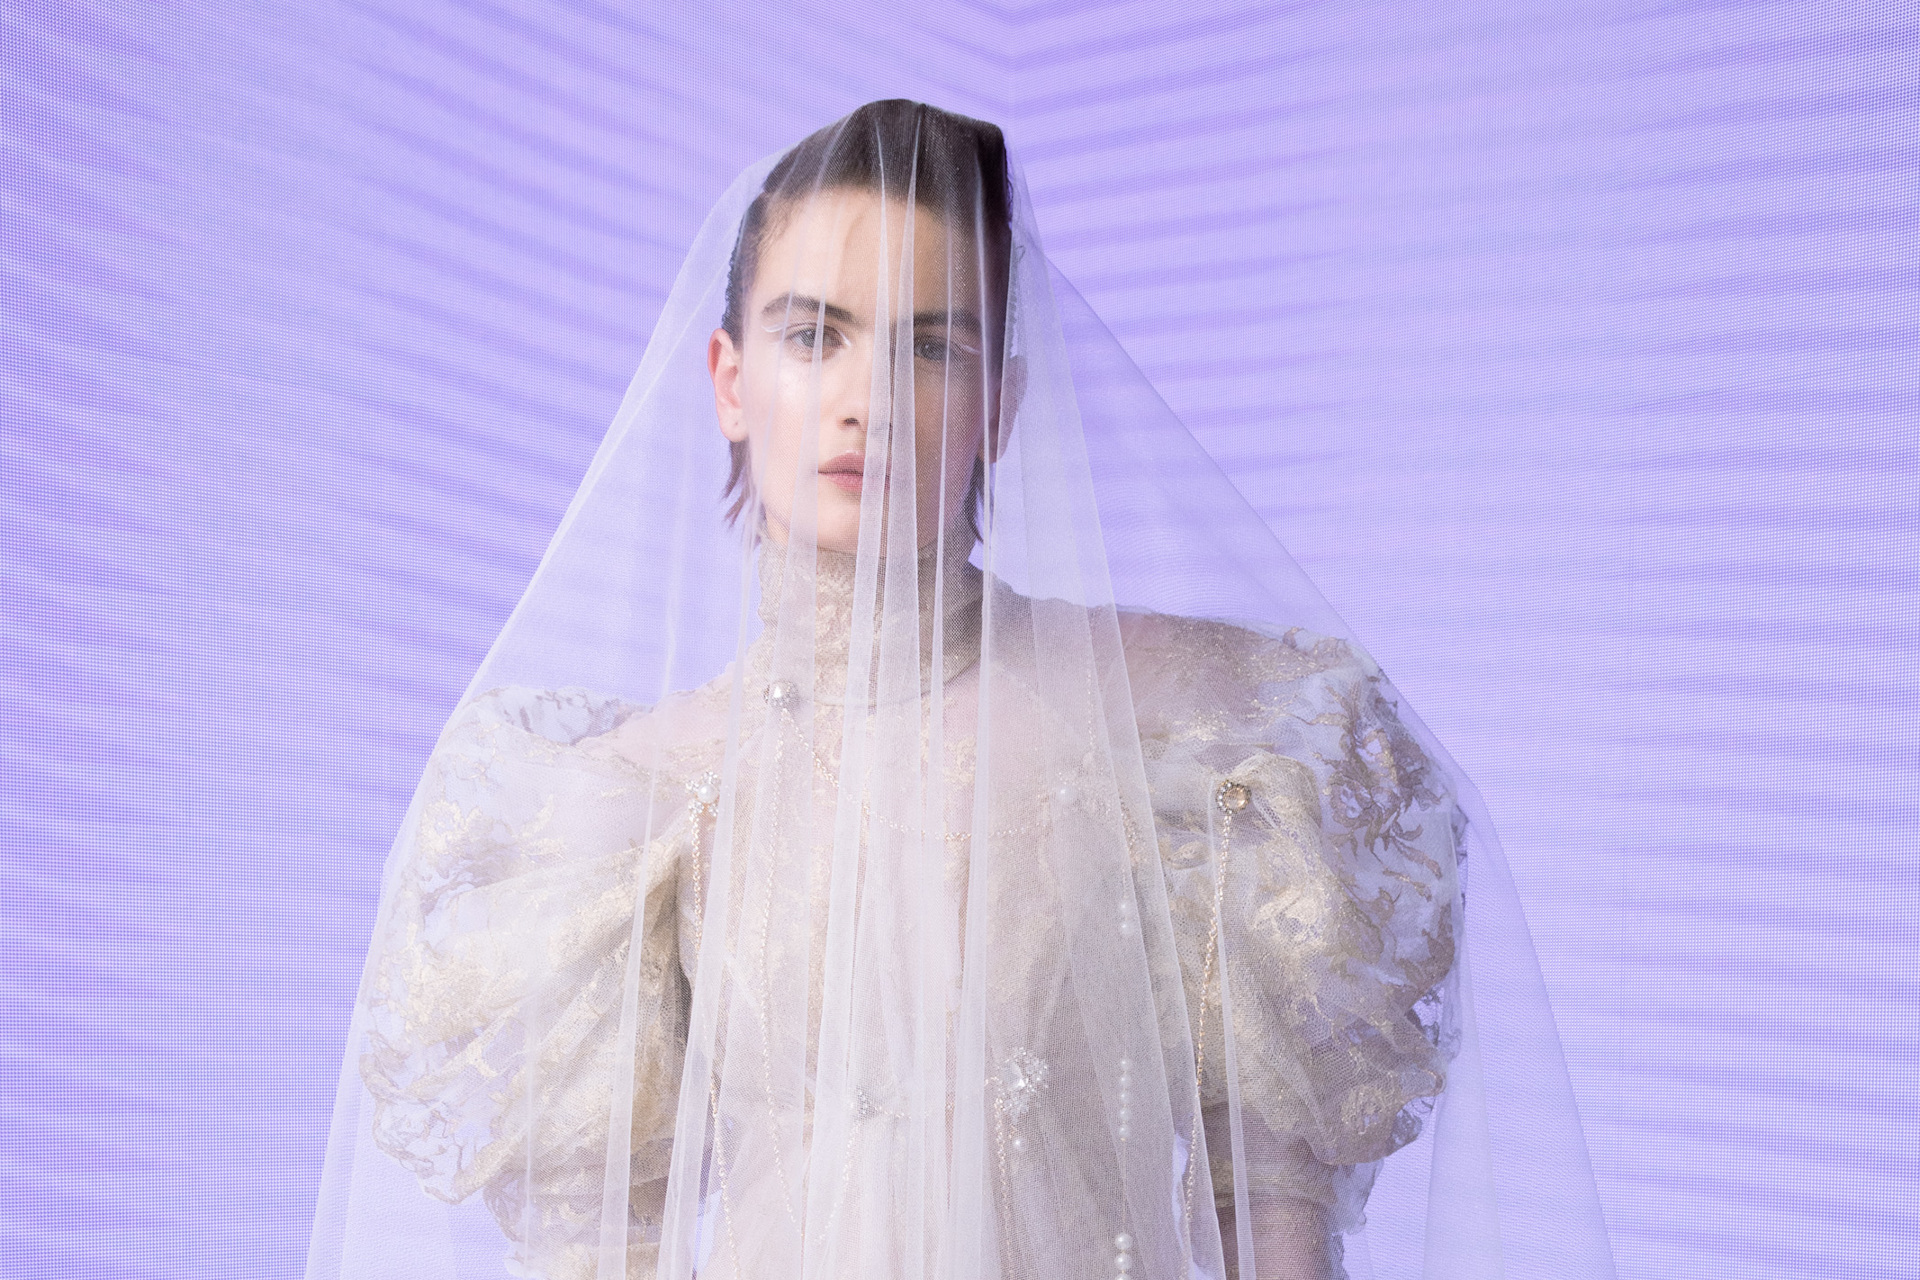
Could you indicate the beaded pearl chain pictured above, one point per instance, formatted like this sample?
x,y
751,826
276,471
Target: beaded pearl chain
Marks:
x,y
1123,1130
1230,798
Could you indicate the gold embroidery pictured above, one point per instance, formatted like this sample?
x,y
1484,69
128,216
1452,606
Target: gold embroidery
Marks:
x,y
1332,918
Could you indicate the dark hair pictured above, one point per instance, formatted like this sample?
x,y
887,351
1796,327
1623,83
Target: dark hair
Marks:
x,y
955,166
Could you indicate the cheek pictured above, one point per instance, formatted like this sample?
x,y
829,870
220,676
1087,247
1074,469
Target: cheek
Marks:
x,y
777,408
948,461
954,398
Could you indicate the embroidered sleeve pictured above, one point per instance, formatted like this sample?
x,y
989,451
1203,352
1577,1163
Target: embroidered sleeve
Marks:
x,y
1291,798
494,1002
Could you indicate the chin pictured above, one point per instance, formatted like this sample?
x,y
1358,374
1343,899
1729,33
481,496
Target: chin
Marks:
x,y
836,536
838,520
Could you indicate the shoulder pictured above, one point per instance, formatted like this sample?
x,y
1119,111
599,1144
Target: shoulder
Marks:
x,y
1214,700
584,725
1231,675
563,717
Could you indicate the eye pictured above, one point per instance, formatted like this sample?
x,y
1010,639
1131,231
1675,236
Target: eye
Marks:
x,y
813,337
943,347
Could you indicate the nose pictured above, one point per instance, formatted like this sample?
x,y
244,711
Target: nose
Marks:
x,y
846,394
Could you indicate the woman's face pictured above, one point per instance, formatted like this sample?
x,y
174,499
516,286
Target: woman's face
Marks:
x,y
810,347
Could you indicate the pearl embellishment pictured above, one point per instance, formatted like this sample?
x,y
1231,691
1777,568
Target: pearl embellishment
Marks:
x,y
703,793
1122,1242
1066,795
1017,1084
1232,797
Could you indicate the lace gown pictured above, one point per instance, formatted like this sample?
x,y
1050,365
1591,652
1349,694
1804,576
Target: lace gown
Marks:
x,y
1332,912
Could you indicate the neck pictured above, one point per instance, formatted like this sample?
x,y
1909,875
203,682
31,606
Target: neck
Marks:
x,y
802,585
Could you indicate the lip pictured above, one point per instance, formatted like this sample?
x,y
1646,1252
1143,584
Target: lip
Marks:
x,y
847,471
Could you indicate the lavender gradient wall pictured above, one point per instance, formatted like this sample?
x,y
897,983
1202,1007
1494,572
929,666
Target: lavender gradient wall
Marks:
x,y
1571,346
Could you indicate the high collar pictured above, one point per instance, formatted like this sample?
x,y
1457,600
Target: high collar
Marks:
x,y
829,576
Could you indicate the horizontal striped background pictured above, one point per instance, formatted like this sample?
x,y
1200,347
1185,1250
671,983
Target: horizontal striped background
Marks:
x,y
1570,346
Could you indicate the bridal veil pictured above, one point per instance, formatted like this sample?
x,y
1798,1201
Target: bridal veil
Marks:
x,y
918,824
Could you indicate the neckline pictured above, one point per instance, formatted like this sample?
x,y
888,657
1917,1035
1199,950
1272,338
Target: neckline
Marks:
x,y
946,584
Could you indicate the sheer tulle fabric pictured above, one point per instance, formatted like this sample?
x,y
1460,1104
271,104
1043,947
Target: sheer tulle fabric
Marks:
x,y
1073,900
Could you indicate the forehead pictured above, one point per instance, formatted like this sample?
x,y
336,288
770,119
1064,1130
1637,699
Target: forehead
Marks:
x,y
845,245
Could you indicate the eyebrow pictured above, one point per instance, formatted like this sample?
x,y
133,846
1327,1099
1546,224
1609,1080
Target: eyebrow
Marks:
x,y
961,319
799,304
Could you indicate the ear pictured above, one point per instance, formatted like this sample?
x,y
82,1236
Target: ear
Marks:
x,y
1013,388
723,366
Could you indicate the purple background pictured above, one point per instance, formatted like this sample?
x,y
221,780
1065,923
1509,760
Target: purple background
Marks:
x,y
1569,344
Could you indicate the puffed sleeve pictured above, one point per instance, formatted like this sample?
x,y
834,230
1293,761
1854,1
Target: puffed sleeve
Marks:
x,y
1336,892
494,998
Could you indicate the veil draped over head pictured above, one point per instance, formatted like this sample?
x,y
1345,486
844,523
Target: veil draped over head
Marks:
x,y
919,824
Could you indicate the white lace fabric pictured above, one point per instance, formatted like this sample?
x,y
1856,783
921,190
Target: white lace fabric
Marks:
x,y
1341,936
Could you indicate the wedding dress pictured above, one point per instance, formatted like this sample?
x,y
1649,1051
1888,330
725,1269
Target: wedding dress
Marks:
x,y
998,864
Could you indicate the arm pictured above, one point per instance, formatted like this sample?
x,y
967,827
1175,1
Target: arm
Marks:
x,y
1291,1241
494,1002
1292,1232
1336,903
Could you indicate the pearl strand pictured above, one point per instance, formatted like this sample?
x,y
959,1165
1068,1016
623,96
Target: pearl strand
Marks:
x,y
1123,1130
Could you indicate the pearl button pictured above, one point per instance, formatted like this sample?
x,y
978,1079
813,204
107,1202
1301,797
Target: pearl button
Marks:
x,y
1018,1142
1123,1262
705,790
1066,794
1124,1132
1123,1242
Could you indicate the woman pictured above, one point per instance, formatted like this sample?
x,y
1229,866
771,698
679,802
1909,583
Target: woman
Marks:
x,y
983,875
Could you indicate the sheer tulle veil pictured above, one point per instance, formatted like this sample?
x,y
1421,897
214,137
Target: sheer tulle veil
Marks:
x,y
919,822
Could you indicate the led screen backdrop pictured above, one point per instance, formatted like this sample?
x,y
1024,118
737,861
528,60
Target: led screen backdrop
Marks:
x,y
1584,384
